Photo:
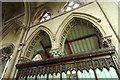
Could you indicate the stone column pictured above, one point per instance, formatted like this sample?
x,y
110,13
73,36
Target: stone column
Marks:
x,y
11,71
15,55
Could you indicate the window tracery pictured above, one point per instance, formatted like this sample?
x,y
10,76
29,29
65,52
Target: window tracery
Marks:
x,y
41,16
46,16
37,58
71,5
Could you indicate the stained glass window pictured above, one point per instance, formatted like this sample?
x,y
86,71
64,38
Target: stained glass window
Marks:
x,y
37,58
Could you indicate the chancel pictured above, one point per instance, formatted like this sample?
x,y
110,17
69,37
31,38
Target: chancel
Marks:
x,y
60,40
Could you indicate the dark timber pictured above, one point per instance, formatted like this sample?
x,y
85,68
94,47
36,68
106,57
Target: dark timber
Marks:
x,y
84,55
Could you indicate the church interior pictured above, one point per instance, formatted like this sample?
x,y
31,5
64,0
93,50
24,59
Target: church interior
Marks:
x,y
60,40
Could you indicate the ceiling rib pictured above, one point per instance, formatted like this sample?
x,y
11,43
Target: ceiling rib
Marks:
x,y
85,37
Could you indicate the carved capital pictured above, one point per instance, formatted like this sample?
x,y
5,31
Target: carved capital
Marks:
x,y
107,42
56,53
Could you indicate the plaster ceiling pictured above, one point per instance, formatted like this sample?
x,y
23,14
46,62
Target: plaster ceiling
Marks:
x,y
11,9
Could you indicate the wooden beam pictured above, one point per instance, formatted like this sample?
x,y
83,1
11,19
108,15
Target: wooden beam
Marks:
x,y
48,47
85,37
82,38
68,46
98,42
48,56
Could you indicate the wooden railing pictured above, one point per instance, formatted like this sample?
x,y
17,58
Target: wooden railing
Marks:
x,y
101,58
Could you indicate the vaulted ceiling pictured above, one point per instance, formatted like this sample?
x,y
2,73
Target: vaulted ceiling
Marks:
x,y
13,16
11,9
81,38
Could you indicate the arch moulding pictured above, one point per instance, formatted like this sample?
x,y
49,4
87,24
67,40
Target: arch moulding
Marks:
x,y
64,24
29,42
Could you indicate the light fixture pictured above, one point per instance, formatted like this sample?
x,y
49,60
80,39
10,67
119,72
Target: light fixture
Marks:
x,y
42,20
19,48
68,8
76,5
46,14
21,43
71,3
48,17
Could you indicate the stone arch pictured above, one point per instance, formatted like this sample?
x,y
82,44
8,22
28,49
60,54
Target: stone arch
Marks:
x,y
95,21
34,37
8,45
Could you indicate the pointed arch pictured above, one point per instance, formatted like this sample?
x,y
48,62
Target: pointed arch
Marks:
x,y
34,37
95,21
11,45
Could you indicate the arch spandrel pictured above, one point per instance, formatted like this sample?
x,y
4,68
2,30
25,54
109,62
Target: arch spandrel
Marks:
x,y
95,21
